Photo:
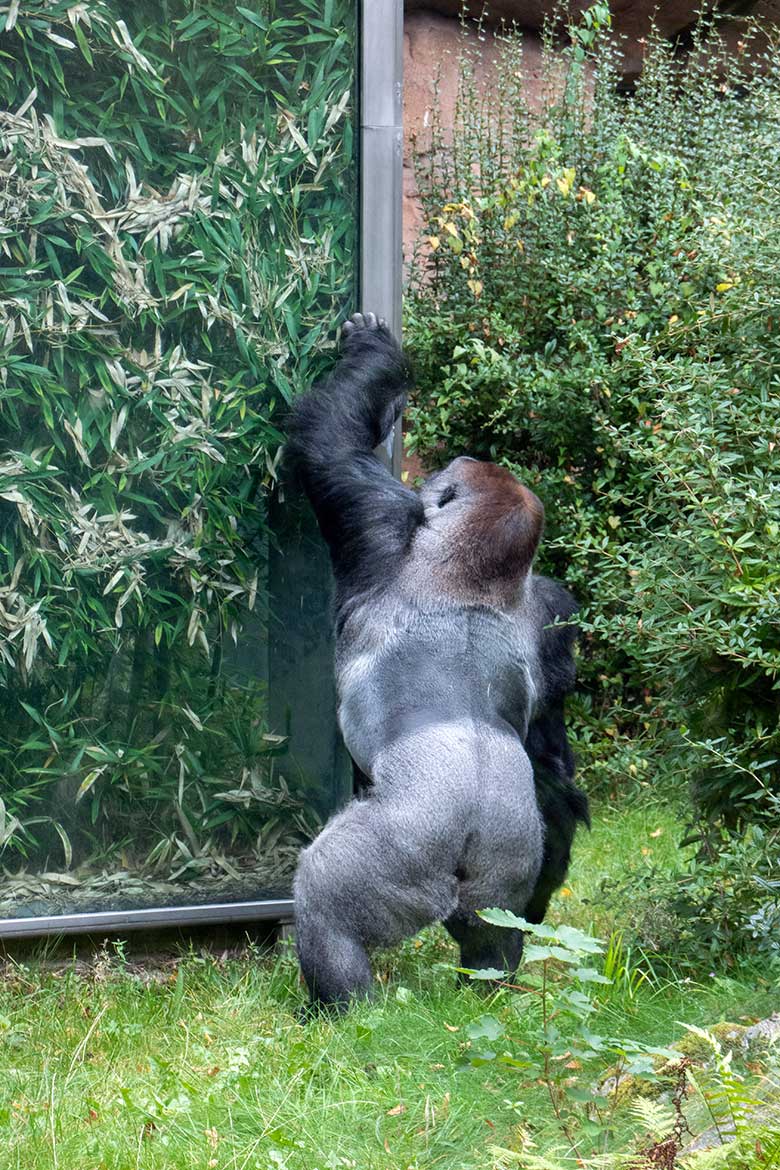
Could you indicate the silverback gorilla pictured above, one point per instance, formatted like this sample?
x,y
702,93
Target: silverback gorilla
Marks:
x,y
451,680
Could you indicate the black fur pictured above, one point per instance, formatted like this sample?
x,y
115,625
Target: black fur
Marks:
x,y
367,517
563,806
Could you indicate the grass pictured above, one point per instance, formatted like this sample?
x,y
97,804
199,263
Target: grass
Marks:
x,y
202,1064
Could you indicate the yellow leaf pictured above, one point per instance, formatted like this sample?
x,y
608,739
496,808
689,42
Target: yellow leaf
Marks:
x,y
88,781
434,242
587,195
566,182
180,291
475,286
450,227
724,285
673,319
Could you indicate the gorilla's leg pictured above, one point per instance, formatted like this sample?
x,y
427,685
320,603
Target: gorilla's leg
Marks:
x,y
484,947
333,959
501,870
563,806
368,880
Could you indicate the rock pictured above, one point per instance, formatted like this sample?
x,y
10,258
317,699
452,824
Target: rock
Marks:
x,y
631,19
763,1035
745,1043
528,15
625,1087
730,1037
726,1132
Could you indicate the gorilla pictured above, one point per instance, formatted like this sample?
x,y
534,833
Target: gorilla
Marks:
x,y
451,679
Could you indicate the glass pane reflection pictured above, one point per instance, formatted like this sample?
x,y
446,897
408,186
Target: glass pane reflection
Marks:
x,y
171,275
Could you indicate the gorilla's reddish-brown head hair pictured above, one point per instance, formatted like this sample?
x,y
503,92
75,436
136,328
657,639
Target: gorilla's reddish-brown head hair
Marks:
x,y
503,525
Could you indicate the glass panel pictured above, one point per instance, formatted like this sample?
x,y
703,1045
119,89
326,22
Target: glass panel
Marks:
x,y
178,211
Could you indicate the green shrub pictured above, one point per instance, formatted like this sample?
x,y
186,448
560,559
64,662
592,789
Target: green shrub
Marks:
x,y
595,304
177,233
723,903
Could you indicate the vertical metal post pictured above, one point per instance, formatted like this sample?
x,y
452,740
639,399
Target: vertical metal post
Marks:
x,y
381,167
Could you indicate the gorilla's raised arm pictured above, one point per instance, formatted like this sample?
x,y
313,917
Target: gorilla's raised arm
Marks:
x,y
367,517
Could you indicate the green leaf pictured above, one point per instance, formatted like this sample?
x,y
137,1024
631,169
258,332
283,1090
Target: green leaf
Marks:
x,y
486,973
577,940
506,918
252,17
66,845
589,975
486,1027
480,1059
540,954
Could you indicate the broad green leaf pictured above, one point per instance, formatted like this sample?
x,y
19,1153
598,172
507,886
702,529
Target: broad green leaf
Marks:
x,y
540,954
486,1027
589,975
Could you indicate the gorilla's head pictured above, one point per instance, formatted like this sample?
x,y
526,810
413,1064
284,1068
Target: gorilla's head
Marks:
x,y
482,528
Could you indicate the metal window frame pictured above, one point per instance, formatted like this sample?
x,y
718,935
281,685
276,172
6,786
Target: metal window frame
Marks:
x,y
381,186
380,165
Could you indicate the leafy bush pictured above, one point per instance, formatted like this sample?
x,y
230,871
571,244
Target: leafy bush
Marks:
x,y
594,303
557,984
177,233
724,902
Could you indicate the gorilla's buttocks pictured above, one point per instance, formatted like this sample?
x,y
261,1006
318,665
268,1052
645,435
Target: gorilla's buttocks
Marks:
x,y
451,679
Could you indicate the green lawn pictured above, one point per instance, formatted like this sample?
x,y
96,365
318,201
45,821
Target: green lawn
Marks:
x,y
202,1063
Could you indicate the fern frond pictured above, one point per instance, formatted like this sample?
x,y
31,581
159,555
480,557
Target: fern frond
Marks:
x,y
716,1158
656,1117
